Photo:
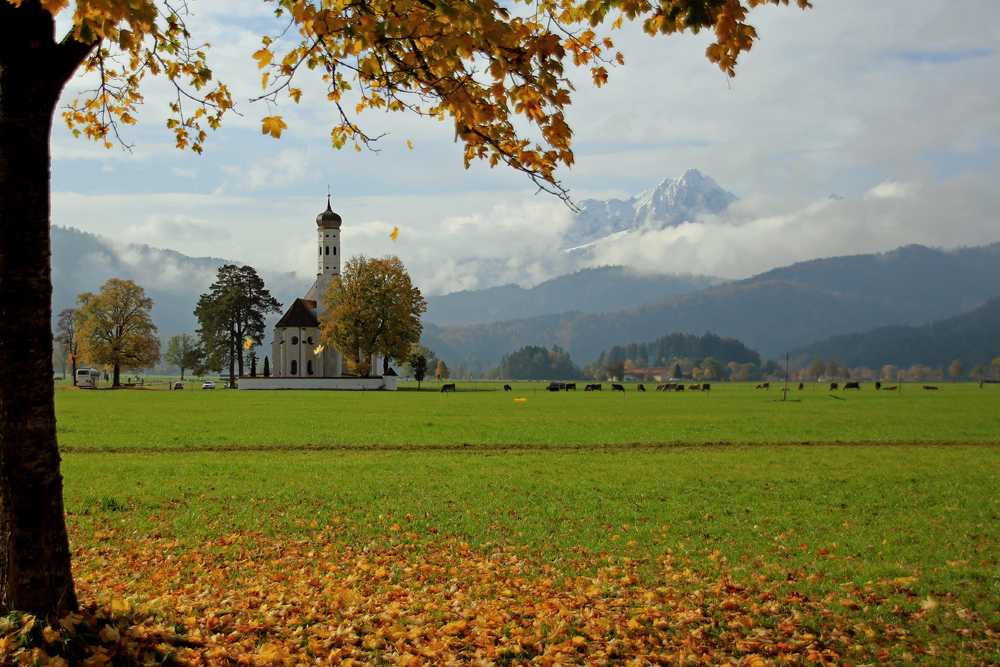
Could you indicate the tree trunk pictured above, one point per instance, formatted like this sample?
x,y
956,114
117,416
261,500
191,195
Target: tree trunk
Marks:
x,y
116,377
35,571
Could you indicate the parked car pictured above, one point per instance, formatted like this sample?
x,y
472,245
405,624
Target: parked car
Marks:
x,y
178,385
208,385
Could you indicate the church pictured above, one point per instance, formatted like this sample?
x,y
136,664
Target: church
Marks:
x,y
299,360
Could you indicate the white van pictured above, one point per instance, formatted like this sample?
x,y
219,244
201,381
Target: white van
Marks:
x,y
87,378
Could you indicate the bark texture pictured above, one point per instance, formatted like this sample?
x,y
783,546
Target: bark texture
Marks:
x,y
35,573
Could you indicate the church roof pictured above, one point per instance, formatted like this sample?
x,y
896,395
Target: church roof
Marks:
x,y
302,313
328,219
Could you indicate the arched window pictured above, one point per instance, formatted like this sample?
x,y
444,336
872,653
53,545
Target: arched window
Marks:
x,y
328,250
334,251
294,368
309,340
295,340
309,367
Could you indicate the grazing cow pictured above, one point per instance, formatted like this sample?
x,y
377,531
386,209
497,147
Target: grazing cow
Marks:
x,y
570,385
833,386
618,387
892,388
448,387
852,385
931,387
801,386
694,387
679,387
506,387
663,387
706,387
878,385
592,387
764,385
640,387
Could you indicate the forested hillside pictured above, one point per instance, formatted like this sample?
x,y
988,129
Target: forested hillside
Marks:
x,y
595,290
973,338
779,310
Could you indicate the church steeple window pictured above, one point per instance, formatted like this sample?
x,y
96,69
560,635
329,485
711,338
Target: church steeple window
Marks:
x,y
293,369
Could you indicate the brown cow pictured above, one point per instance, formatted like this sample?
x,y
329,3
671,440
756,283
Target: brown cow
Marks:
x,y
878,385
640,387
570,385
801,386
763,385
618,387
694,387
448,387
833,386
706,387
892,388
663,387
927,386
679,387
852,385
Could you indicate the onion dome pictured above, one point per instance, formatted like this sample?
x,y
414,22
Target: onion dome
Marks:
x,y
328,219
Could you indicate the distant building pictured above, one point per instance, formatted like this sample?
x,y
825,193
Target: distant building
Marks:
x,y
298,358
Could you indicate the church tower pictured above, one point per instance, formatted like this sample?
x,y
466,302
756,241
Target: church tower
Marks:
x,y
328,224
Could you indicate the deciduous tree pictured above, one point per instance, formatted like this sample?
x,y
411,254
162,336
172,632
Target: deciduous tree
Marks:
x,y
372,309
957,369
184,352
442,372
475,62
116,328
418,363
66,336
235,309
817,368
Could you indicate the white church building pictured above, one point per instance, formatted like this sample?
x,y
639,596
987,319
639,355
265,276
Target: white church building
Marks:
x,y
299,360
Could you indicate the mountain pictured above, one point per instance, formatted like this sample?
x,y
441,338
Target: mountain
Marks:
x,y
671,203
779,310
972,337
596,290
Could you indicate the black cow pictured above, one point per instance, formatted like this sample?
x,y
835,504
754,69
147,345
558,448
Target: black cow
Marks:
x,y
570,385
833,386
706,387
852,385
617,387
878,386
448,387
802,386
640,388
931,387
506,387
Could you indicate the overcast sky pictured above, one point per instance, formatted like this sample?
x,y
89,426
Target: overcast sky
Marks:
x,y
855,126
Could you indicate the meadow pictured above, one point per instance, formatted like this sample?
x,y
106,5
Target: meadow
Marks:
x,y
420,528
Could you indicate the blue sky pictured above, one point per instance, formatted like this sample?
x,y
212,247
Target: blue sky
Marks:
x,y
890,106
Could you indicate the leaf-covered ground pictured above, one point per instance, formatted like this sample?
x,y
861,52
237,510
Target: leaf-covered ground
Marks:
x,y
414,600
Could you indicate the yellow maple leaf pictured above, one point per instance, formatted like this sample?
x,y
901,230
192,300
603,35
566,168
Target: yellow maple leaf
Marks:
x,y
395,233
248,343
263,58
273,125
409,144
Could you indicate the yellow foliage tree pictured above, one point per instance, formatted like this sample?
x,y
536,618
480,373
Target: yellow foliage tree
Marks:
x,y
479,63
372,309
116,328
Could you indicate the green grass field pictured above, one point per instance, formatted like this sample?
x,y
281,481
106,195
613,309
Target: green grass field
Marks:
x,y
868,524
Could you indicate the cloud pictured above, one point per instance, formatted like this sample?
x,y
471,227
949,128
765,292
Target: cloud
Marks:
x,y
183,173
160,229
757,234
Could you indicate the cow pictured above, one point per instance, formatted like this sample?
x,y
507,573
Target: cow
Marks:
x,y
706,387
878,385
663,387
640,387
618,387
852,385
506,387
448,387
892,388
802,386
694,387
763,385
592,387
930,387
833,386
570,385
679,387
